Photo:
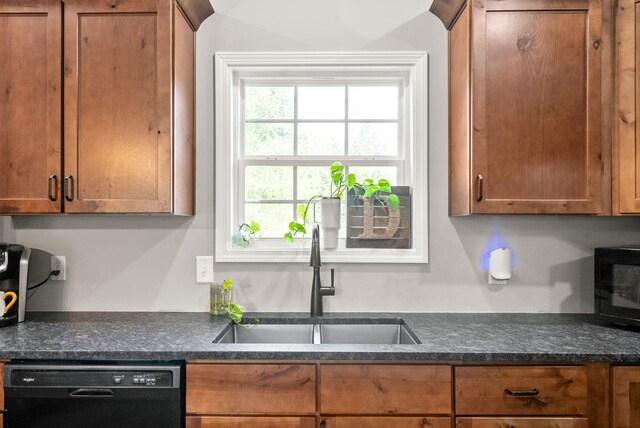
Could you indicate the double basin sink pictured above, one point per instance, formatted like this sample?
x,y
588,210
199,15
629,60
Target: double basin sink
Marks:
x,y
378,332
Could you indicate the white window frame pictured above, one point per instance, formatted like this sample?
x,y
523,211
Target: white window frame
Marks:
x,y
231,67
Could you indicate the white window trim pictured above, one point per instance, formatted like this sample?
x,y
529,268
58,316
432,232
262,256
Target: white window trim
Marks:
x,y
228,65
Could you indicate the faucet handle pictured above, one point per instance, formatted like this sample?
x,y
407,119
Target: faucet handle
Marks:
x,y
329,291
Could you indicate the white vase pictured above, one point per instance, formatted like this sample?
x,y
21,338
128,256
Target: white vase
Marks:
x,y
330,225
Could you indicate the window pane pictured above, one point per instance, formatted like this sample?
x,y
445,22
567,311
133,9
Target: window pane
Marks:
x,y
368,139
321,139
269,102
375,173
373,102
321,102
268,183
274,219
313,180
269,139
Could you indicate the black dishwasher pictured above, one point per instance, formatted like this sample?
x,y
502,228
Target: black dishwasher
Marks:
x,y
94,396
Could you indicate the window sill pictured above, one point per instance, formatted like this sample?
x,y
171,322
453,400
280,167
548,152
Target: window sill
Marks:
x,y
300,253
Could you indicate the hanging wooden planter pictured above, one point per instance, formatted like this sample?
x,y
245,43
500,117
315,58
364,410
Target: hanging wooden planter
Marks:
x,y
373,225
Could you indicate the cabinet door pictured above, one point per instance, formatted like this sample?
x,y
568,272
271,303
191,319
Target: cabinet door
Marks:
x,y
627,151
117,75
250,422
223,389
383,389
536,115
531,390
30,106
384,421
521,423
626,397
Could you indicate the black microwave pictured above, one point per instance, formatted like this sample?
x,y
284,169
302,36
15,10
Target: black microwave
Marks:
x,y
617,284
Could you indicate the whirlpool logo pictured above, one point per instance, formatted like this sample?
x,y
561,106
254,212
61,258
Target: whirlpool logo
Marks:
x,y
28,379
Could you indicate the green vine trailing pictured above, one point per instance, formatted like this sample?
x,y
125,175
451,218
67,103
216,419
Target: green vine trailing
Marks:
x,y
341,183
233,309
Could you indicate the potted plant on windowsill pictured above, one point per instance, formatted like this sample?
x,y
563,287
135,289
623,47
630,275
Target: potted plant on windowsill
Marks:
x,y
341,183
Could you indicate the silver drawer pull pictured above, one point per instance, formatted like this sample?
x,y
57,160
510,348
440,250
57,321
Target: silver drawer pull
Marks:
x,y
530,393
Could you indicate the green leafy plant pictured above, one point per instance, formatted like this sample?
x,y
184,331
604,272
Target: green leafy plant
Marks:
x,y
245,234
340,184
370,189
233,309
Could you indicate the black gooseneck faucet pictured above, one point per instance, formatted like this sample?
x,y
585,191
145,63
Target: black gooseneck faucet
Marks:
x,y
317,290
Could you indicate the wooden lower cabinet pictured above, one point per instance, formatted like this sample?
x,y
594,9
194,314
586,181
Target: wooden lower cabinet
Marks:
x,y
384,421
521,423
626,397
270,389
403,395
249,422
518,390
385,389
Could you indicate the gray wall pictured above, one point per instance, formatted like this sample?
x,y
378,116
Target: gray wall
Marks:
x,y
148,263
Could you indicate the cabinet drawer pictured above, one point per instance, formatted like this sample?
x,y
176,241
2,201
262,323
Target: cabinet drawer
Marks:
x,y
385,389
251,388
534,390
386,422
249,422
521,423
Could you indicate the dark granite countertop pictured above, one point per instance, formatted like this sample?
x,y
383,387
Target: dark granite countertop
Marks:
x,y
444,336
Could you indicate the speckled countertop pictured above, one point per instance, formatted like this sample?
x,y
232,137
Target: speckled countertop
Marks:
x,y
444,337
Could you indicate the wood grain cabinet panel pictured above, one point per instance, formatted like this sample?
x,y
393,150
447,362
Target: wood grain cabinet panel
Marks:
x,y
250,422
531,141
121,76
626,397
30,106
534,390
118,106
251,389
627,144
386,422
385,389
521,423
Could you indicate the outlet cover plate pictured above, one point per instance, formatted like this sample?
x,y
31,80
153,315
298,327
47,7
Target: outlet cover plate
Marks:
x,y
59,263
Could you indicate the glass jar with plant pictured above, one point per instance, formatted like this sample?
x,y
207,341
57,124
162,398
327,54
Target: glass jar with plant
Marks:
x,y
246,234
341,183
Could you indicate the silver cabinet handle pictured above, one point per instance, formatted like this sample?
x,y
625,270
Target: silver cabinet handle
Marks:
x,y
68,188
530,393
480,194
53,187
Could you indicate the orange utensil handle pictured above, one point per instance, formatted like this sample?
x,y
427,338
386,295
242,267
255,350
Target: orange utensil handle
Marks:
x,y
13,300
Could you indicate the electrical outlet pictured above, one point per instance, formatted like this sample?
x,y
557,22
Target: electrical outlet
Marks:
x,y
59,263
204,269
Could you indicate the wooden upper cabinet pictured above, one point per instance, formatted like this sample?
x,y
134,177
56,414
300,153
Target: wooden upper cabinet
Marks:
x,y
126,68
626,190
626,397
30,106
118,107
525,108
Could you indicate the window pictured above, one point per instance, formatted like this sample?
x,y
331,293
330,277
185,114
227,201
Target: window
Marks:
x,y
282,119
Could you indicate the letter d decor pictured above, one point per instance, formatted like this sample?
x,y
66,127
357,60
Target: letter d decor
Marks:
x,y
373,225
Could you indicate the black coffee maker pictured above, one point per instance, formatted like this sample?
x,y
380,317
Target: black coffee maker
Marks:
x,y
20,268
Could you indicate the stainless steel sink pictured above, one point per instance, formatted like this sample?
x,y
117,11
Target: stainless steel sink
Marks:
x,y
360,334
374,331
267,333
